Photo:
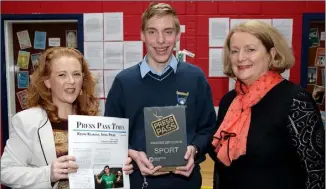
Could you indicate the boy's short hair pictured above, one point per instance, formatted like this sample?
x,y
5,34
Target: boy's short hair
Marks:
x,y
159,9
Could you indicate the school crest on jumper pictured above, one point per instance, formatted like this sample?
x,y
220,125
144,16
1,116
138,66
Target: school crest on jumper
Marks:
x,y
182,97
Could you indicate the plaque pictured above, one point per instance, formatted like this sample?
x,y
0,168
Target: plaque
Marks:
x,y
166,137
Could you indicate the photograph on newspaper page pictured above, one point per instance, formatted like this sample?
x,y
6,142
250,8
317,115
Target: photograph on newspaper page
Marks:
x,y
100,146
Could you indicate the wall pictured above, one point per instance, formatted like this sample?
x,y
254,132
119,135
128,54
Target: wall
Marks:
x,y
192,14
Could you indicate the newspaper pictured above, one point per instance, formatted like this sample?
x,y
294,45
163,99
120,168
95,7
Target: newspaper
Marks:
x,y
100,145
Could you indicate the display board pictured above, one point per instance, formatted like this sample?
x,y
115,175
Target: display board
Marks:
x,y
29,41
316,63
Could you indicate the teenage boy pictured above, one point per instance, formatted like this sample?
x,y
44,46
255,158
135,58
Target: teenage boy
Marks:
x,y
161,80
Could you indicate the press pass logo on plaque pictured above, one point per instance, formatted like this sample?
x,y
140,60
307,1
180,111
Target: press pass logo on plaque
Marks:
x,y
164,125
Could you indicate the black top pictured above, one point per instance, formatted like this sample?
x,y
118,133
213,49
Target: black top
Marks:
x,y
285,144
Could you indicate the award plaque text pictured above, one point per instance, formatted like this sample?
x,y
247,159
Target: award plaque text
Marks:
x,y
166,137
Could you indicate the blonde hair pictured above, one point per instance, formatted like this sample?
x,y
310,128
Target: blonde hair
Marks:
x,y
270,38
39,95
159,9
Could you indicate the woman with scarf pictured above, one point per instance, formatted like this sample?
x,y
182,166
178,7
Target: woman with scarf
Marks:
x,y
270,133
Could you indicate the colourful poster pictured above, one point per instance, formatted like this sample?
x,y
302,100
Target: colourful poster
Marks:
x,y
312,75
320,57
318,94
22,79
39,40
313,37
24,40
180,56
22,98
71,38
35,57
54,42
23,59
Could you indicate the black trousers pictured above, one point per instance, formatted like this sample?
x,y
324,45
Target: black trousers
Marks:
x,y
168,181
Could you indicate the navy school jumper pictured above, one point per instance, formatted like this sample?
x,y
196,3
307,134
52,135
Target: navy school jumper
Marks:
x,y
130,93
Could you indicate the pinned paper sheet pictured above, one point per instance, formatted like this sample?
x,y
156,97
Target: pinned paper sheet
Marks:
x,y
39,40
181,55
132,53
216,110
182,28
109,76
268,21
113,26
35,57
94,54
54,42
232,82
22,79
188,53
113,55
218,30
71,38
286,74
234,22
177,44
285,27
22,98
24,40
101,107
216,63
93,27
23,59
99,83
322,36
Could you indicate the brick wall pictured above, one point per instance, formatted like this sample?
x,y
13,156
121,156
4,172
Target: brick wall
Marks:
x,y
194,15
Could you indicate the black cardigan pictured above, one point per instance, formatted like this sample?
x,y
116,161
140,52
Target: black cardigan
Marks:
x,y
285,144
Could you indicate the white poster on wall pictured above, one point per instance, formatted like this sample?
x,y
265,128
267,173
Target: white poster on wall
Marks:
x,y
216,110
234,22
177,44
93,52
232,82
99,88
132,53
268,21
101,107
113,55
113,26
286,74
216,62
285,26
93,27
109,76
218,30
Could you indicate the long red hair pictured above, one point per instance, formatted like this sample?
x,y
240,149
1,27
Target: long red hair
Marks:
x,y
40,96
